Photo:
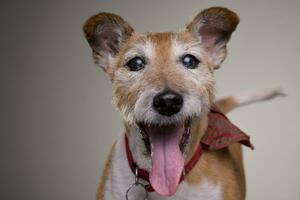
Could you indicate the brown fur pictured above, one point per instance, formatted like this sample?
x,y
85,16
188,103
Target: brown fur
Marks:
x,y
92,24
110,37
223,166
226,104
218,18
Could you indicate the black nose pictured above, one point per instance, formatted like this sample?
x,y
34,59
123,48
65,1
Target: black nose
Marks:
x,y
167,103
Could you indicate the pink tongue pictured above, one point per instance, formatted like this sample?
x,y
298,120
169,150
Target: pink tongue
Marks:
x,y
167,160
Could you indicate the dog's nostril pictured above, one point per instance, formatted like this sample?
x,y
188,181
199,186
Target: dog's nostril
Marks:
x,y
167,103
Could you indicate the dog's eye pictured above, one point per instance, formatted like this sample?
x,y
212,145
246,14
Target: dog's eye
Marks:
x,y
190,61
136,64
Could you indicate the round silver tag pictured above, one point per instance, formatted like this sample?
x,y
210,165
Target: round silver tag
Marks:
x,y
137,186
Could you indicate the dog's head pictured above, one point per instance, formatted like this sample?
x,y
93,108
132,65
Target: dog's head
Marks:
x,y
162,82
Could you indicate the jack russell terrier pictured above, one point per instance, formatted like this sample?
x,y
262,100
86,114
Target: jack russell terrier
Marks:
x,y
177,144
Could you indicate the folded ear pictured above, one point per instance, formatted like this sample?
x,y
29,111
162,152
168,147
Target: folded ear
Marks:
x,y
214,26
106,33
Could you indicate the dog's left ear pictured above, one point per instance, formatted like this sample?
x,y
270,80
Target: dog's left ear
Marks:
x,y
106,33
213,26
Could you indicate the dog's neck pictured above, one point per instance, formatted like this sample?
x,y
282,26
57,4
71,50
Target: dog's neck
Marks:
x,y
139,151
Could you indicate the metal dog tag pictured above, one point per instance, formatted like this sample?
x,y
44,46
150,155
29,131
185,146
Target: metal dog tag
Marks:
x,y
136,185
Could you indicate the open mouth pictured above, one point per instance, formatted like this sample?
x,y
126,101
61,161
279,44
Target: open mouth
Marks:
x,y
166,144
185,135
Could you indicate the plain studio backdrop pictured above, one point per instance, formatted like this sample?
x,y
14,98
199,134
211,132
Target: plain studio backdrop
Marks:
x,y
57,121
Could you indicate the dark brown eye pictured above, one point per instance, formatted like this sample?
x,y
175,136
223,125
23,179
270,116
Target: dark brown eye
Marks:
x,y
136,64
190,61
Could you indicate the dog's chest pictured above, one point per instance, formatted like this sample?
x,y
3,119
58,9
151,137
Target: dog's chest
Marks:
x,y
120,178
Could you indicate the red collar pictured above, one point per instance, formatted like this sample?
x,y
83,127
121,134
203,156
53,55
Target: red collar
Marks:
x,y
143,174
220,133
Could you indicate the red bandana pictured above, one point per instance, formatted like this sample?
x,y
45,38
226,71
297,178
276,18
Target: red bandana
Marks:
x,y
220,133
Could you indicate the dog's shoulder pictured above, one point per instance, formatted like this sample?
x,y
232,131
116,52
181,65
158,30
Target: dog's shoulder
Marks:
x,y
222,167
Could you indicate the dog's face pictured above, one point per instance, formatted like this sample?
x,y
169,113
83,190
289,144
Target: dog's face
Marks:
x,y
162,78
162,82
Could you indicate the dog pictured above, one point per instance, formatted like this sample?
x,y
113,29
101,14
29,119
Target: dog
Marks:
x,y
163,86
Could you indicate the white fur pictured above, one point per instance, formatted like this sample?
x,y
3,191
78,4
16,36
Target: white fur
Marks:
x,y
144,111
138,149
145,49
128,78
180,48
121,177
253,96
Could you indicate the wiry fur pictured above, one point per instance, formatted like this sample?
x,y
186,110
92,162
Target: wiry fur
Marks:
x,y
219,174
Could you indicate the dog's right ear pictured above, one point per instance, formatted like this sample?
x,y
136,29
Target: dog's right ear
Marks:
x,y
105,33
214,27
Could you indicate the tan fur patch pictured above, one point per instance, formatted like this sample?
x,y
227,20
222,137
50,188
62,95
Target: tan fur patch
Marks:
x,y
105,173
224,167
226,104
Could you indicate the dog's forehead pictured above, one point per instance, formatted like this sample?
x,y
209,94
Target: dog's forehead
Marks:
x,y
160,43
160,38
149,40
165,39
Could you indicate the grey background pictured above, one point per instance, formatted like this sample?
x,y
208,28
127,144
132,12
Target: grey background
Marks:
x,y
57,122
